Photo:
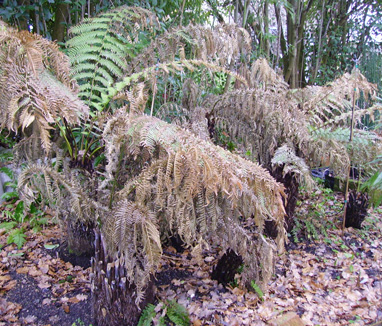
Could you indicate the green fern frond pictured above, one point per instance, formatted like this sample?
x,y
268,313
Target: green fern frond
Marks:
x,y
147,315
177,313
101,49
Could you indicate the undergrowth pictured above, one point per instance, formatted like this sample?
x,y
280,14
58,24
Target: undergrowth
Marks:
x,y
15,218
165,313
317,214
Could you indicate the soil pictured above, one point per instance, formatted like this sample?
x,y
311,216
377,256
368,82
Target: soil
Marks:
x,y
31,298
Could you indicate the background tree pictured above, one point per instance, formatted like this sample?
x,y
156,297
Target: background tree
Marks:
x,y
312,41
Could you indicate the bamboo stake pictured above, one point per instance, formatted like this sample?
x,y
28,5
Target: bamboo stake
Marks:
x,y
350,164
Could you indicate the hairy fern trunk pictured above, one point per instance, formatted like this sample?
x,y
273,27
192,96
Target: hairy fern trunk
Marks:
x,y
114,298
80,238
291,184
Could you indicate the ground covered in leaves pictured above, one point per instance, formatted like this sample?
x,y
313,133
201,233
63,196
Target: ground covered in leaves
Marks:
x,y
325,278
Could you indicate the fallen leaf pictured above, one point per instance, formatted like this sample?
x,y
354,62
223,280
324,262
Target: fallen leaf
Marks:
x,y
81,297
66,308
9,286
209,259
22,270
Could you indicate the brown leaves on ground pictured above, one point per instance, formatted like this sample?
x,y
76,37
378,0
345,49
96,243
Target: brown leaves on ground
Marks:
x,y
60,284
330,281
324,282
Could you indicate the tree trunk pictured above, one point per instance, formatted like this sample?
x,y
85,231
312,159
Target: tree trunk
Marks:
x,y
59,28
23,20
113,296
290,181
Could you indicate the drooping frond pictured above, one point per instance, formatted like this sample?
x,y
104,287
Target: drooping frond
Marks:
x,y
330,104
132,234
262,75
218,45
102,48
263,118
62,191
286,158
35,85
363,148
190,183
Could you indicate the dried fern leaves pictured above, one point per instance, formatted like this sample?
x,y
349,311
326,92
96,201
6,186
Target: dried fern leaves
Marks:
x,y
196,189
35,85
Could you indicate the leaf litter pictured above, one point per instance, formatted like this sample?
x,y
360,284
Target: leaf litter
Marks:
x,y
332,280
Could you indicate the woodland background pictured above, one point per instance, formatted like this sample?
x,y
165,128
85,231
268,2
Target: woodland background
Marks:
x,y
311,41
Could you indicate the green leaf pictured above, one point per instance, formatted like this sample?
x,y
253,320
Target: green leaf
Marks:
x,y
8,225
19,212
258,291
17,237
51,246
7,171
9,195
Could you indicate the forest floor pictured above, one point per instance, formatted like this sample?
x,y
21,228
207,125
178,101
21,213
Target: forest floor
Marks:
x,y
323,278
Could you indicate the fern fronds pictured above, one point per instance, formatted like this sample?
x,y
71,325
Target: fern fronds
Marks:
x,y
190,184
177,313
36,87
132,232
102,47
291,163
61,191
362,149
330,103
147,315
219,45
165,69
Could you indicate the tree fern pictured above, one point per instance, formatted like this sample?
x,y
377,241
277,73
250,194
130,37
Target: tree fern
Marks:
x,y
190,184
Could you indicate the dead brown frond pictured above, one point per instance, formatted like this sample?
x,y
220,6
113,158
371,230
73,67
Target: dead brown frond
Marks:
x,y
329,105
133,237
196,189
136,99
219,45
36,88
62,191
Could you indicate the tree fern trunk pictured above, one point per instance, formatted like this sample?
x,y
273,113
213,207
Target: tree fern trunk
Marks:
x,y
80,238
356,210
113,296
291,185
